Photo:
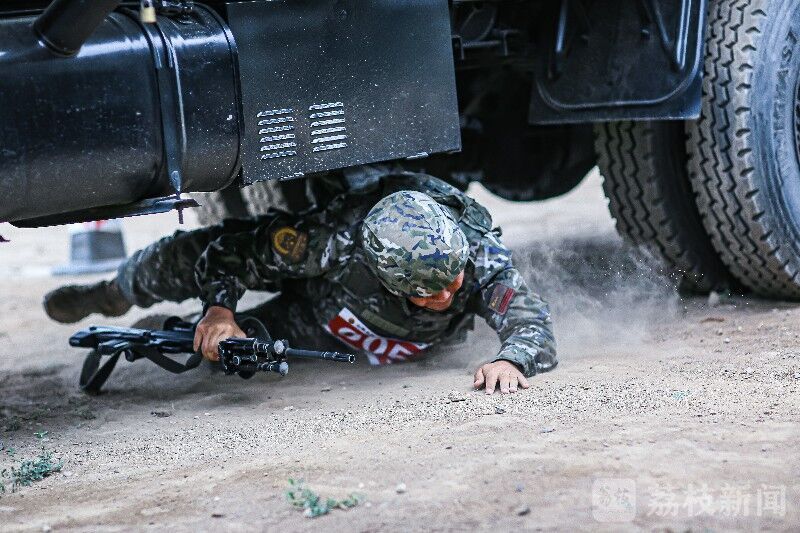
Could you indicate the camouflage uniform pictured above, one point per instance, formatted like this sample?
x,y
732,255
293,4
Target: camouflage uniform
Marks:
x,y
324,273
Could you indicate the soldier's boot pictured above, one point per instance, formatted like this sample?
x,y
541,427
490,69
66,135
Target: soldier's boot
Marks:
x,y
72,303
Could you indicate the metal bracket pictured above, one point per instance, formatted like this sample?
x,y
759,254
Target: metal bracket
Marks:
x,y
175,8
150,206
677,51
649,14
564,37
618,60
173,125
477,31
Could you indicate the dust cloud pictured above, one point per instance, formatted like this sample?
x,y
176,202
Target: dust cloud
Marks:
x,y
605,298
605,295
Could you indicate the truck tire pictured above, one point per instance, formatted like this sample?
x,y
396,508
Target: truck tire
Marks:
x,y
744,148
649,196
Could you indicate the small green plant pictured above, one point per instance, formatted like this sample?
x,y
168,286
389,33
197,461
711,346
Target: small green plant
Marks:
x,y
13,424
313,504
680,394
85,413
30,470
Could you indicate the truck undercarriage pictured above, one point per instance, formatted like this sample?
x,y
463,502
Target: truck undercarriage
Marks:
x,y
690,108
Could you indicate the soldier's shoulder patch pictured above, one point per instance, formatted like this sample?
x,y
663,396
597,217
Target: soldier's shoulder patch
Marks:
x,y
501,298
290,243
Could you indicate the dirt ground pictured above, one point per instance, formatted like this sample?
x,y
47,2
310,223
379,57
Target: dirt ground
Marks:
x,y
664,414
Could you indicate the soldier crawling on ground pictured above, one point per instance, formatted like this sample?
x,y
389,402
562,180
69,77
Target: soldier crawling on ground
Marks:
x,y
390,269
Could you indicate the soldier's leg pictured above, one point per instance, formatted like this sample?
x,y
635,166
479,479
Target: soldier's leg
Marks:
x,y
161,271
164,270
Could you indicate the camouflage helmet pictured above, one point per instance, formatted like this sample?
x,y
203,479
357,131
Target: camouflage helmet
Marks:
x,y
414,244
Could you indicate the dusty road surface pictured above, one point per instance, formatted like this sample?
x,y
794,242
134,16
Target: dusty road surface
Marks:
x,y
664,414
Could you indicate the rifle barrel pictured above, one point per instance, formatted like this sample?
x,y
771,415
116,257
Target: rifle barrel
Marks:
x,y
328,356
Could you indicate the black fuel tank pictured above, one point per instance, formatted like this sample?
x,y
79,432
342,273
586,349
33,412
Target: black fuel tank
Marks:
x,y
89,130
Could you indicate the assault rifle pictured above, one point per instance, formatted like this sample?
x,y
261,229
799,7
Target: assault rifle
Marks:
x,y
256,353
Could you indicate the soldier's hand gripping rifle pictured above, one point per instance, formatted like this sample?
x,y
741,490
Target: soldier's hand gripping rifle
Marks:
x,y
256,353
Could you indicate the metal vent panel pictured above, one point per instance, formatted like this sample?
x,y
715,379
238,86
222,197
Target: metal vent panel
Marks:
x,y
332,84
278,137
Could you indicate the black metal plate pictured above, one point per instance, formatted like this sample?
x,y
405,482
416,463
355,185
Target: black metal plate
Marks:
x,y
149,206
332,84
622,59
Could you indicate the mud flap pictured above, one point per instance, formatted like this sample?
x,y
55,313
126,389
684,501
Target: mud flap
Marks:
x,y
337,83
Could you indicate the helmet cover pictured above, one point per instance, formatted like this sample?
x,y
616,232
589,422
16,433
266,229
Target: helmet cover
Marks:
x,y
414,244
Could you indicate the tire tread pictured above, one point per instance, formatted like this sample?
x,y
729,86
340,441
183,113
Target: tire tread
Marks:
x,y
649,210
722,151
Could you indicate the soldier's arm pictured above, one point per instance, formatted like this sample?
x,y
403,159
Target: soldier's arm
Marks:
x,y
520,316
260,259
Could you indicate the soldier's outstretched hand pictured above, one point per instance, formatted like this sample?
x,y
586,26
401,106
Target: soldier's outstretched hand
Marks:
x,y
504,374
216,326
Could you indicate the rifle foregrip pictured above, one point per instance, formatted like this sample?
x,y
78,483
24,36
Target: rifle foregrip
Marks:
x,y
279,367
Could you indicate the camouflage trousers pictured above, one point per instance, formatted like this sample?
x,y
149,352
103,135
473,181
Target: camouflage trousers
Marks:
x,y
164,271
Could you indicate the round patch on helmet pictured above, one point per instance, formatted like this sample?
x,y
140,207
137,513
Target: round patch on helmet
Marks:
x,y
415,246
